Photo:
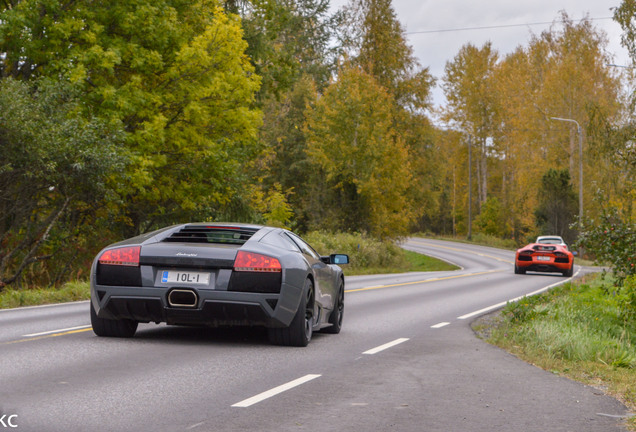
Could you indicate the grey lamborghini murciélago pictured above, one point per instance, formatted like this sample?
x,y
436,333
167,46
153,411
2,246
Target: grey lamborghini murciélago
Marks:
x,y
218,274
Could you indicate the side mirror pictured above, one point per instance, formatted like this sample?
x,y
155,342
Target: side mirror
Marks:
x,y
340,259
336,259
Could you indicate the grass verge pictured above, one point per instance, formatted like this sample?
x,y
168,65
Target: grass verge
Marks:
x,y
71,291
574,330
368,255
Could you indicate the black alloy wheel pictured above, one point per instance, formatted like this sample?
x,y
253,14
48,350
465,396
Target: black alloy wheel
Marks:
x,y
301,328
337,314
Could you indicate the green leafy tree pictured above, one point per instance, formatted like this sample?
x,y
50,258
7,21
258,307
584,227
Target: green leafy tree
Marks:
x,y
365,163
491,220
286,40
54,171
611,239
173,72
373,38
558,204
289,46
624,15
287,162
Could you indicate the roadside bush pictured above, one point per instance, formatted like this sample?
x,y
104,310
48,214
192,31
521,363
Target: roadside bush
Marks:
x,y
612,241
364,252
627,298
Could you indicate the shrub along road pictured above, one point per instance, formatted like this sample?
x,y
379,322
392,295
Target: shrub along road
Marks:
x,y
406,359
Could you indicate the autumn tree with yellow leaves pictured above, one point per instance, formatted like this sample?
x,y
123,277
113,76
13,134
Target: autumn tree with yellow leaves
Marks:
x,y
507,106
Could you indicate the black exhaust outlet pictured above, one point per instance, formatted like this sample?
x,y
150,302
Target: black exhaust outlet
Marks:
x,y
183,298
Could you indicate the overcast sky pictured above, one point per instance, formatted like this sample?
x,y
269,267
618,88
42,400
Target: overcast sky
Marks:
x,y
421,19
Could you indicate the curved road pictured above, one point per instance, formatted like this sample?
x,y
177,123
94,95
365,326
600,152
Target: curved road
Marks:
x,y
405,360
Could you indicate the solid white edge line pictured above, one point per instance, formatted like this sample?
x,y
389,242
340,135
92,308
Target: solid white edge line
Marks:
x,y
385,346
273,392
56,331
499,305
440,325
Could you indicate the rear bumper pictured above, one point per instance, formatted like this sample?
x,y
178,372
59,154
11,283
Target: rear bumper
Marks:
x,y
213,307
549,267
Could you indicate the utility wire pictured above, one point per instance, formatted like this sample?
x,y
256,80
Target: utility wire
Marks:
x,y
493,27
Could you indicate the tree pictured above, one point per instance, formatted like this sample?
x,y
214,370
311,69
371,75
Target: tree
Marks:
x,y
54,170
519,161
491,221
365,163
373,38
373,41
624,16
506,105
286,40
173,72
468,86
611,239
287,162
558,204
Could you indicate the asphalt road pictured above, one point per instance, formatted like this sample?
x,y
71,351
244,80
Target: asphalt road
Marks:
x,y
406,360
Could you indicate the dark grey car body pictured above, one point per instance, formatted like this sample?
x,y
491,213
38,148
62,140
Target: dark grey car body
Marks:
x,y
186,275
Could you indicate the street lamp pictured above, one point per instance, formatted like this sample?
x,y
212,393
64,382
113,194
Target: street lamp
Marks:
x,y
470,189
578,130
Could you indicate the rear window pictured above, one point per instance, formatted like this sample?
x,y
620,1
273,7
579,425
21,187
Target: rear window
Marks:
x,y
278,239
550,240
212,234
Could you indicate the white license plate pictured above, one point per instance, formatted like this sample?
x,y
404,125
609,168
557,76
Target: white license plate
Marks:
x,y
543,258
185,277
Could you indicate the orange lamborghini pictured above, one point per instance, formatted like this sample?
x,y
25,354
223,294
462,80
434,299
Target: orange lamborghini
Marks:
x,y
545,257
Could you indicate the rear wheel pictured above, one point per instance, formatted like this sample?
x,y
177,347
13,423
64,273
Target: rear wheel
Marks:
x,y
124,328
519,270
337,314
569,272
300,330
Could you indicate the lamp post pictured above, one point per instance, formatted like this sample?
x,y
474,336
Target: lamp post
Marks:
x,y
580,132
470,189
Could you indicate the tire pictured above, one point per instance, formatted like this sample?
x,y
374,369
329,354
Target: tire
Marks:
x,y
300,330
124,328
569,272
335,319
519,270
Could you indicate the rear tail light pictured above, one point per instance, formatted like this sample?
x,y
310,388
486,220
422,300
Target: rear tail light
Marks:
x,y
526,252
560,254
253,262
124,256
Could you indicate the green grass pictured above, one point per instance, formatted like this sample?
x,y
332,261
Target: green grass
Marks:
x,y
407,261
71,291
574,330
372,256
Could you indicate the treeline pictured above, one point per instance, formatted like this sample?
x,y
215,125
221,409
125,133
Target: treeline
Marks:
x,y
118,117
523,112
